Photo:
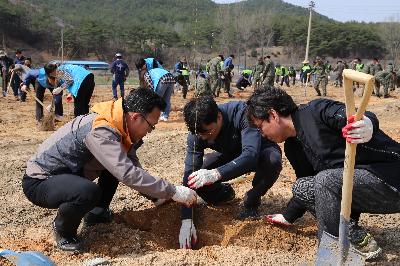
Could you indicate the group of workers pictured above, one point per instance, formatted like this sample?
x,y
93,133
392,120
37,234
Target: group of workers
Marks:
x,y
243,136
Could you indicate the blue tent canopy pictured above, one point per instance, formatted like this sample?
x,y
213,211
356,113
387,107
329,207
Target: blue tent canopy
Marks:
x,y
93,65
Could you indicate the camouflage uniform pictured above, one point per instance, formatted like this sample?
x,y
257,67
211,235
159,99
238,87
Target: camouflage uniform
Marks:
x,y
321,78
390,68
339,73
5,64
269,72
203,87
258,70
372,69
214,70
383,77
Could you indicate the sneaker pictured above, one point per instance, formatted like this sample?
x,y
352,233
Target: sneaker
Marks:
x,y
104,216
228,194
249,213
71,244
115,99
16,98
277,219
369,248
4,94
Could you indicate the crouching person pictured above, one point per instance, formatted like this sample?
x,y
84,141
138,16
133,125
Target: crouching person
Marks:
x,y
315,138
238,149
99,145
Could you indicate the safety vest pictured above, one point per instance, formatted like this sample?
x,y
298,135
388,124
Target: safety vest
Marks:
x,y
78,74
247,71
359,67
156,74
278,71
149,63
42,79
306,68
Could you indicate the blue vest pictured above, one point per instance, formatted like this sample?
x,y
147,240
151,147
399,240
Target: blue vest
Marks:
x,y
42,79
149,63
156,74
78,74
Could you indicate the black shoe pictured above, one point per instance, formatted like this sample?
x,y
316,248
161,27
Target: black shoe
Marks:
x,y
64,243
249,213
106,216
226,194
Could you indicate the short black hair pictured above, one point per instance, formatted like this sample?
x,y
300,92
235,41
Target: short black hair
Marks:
x,y
267,98
232,55
49,68
18,51
140,63
199,112
142,100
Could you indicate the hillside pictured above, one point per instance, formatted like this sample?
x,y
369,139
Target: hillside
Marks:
x,y
100,27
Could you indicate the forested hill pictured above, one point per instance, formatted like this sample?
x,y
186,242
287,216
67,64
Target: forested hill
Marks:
x,y
101,27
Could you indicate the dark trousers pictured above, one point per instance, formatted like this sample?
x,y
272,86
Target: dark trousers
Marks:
x,y
321,195
40,95
121,82
72,195
81,102
266,173
15,82
286,80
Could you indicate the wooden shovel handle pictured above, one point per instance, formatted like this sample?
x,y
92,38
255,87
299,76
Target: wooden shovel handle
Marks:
x,y
350,154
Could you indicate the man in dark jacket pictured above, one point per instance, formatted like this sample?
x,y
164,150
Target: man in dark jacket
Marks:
x,y
120,70
238,149
315,135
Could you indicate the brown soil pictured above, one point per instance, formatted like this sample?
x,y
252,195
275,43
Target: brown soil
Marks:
x,y
145,235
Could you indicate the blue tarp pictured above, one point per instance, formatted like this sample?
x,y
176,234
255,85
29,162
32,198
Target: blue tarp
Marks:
x,y
93,65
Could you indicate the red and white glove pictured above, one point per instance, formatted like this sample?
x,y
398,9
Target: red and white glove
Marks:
x,y
187,234
203,177
185,196
359,131
277,219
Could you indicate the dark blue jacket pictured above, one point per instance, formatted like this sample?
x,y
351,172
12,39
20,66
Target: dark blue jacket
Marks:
x,y
120,69
236,139
19,60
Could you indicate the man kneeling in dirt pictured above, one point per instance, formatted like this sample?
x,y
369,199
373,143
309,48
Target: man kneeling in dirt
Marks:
x,y
239,149
102,144
315,138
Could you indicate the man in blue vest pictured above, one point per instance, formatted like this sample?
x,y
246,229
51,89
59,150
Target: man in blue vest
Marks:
x,y
44,78
120,70
146,64
162,82
79,82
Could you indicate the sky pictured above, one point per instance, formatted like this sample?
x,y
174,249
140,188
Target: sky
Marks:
x,y
347,10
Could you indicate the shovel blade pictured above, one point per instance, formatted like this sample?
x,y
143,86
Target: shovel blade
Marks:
x,y
329,253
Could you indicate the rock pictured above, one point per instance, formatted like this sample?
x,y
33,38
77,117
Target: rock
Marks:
x,y
97,262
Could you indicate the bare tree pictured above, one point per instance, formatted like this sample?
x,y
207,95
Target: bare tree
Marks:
x,y
262,24
390,33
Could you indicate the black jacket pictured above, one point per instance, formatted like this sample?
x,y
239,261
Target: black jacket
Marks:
x,y
319,144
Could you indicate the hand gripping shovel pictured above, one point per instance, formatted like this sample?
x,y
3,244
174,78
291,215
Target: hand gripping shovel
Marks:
x,y
332,251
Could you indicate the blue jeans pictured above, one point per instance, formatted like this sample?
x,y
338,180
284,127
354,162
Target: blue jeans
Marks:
x,y
165,90
118,81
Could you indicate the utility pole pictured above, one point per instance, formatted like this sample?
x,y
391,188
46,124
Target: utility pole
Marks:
x,y
311,7
62,45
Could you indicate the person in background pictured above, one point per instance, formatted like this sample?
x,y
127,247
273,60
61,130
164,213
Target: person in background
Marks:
x,y
120,70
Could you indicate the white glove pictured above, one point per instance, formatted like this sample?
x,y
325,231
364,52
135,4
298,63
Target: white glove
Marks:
x,y
261,75
203,177
187,234
359,131
58,90
185,196
24,88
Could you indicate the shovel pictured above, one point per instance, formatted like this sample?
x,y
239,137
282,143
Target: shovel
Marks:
x,y
334,251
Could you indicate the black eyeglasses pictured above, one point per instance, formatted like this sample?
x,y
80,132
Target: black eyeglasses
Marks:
x,y
152,127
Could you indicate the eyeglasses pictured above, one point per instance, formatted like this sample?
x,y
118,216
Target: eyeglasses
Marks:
x,y
152,127
206,133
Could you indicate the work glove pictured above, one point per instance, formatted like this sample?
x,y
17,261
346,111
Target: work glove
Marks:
x,y
58,90
203,177
261,75
185,196
359,131
277,219
187,234
24,88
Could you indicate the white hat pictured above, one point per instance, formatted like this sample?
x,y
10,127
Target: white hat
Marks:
x,y
118,55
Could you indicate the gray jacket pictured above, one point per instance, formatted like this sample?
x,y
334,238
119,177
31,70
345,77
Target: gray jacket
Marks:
x,y
77,148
